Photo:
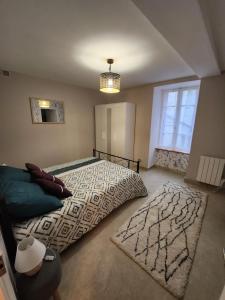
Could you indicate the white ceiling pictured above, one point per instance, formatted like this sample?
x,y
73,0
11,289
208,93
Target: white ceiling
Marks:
x,y
69,41
182,23
214,13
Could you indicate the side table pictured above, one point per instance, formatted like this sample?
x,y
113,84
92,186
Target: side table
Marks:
x,y
42,285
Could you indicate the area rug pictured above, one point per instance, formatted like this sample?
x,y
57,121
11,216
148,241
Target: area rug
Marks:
x,y
162,235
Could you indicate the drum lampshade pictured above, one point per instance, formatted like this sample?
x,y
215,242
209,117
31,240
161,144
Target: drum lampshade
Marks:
x,y
29,255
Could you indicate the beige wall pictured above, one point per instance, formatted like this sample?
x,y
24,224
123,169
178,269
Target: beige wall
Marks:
x,y
44,144
23,141
209,132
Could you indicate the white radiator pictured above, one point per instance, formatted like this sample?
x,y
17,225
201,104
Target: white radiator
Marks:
x,y
210,170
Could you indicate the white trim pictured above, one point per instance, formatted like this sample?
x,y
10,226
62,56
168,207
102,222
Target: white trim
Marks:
x,y
174,86
177,118
156,116
179,88
6,280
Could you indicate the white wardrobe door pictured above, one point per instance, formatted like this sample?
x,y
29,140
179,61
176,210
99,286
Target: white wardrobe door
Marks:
x,y
118,118
115,128
101,127
129,130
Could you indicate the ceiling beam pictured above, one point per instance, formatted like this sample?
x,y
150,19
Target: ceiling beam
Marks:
x,y
182,24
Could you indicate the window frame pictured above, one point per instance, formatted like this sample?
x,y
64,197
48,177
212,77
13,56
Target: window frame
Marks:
x,y
179,91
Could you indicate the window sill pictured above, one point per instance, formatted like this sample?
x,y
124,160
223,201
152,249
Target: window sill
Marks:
x,y
170,150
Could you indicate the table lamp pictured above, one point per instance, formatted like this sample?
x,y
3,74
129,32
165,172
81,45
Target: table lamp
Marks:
x,y
29,256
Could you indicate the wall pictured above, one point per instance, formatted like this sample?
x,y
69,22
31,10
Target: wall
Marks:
x,y
44,144
209,132
49,144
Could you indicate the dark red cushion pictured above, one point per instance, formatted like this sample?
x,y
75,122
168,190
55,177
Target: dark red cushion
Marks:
x,y
32,167
53,188
42,174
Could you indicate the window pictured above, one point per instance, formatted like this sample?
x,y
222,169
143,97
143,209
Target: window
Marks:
x,y
177,118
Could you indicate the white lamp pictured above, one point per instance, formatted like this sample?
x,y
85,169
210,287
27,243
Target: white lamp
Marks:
x,y
29,256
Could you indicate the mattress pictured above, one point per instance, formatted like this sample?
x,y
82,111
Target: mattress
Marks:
x,y
98,188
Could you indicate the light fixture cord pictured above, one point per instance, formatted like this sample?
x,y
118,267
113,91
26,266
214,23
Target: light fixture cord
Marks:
x,y
109,67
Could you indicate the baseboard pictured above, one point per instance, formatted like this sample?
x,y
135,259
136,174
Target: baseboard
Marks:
x,y
205,186
191,181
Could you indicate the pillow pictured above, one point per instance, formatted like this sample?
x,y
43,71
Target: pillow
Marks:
x,y
11,173
32,167
26,200
42,174
54,188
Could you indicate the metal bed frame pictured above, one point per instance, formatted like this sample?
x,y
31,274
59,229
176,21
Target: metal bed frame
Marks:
x,y
97,153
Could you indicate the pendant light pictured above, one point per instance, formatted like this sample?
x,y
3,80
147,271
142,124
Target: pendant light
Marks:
x,y
109,81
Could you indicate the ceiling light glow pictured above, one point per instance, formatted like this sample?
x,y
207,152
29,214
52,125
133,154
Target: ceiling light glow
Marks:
x,y
129,53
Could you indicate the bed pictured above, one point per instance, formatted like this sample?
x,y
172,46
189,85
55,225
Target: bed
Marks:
x,y
98,187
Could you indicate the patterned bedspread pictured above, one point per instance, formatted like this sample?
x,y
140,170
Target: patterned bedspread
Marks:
x,y
97,190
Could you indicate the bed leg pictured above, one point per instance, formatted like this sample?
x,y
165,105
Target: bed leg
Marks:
x,y
138,165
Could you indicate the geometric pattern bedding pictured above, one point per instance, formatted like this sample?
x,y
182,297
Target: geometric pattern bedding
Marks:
x,y
97,189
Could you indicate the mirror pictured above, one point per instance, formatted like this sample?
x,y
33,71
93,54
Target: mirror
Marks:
x,y
47,111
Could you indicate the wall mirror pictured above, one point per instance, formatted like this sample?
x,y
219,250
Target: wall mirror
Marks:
x,y
47,111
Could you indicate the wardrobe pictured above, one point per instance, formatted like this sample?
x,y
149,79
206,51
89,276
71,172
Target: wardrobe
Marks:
x,y
114,128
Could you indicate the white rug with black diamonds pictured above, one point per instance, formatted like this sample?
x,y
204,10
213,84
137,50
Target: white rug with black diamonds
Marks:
x,y
162,235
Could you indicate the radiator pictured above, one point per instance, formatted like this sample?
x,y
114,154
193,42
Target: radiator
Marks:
x,y
210,170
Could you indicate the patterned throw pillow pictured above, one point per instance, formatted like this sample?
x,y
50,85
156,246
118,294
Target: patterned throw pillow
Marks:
x,y
53,188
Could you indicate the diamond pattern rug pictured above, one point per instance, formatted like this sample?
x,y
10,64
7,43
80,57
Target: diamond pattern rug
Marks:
x,y
162,235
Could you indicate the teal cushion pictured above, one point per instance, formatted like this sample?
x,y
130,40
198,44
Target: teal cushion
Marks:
x,y
11,173
26,200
